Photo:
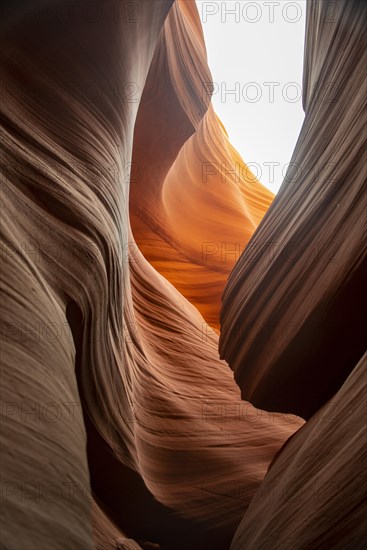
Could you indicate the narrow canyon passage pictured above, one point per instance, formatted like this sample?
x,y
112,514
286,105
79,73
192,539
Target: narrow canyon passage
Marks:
x,y
144,402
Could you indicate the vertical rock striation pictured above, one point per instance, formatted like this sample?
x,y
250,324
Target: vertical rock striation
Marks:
x,y
293,315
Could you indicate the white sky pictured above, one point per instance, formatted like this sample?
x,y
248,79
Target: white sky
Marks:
x,y
257,52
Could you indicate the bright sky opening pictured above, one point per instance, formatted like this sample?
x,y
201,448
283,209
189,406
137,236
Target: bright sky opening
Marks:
x,y
255,51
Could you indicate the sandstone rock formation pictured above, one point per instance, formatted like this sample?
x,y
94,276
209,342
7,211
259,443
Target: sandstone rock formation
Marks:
x,y
314,494
294,309
194,203
121,425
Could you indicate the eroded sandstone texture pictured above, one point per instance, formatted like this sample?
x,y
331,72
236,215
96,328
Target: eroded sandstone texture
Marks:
x,y
121,425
